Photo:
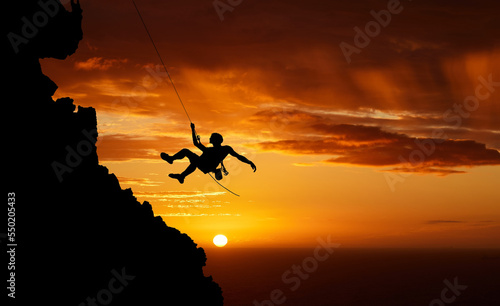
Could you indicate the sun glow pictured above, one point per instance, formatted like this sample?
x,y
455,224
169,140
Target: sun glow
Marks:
x,y
220,240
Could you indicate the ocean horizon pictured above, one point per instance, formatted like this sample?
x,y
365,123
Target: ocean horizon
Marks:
x,y
299,276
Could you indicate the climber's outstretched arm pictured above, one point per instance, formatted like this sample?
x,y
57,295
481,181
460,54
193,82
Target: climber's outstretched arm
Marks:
x,y
242,158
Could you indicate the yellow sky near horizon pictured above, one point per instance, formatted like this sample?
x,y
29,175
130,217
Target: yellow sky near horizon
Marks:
x,y
328,138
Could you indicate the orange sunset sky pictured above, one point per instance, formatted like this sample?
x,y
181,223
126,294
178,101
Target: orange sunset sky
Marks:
x,y
397,148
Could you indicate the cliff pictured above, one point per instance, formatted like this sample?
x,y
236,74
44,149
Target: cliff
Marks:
x,y
81,239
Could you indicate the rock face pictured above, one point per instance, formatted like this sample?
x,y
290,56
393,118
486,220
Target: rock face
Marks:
x,y
81,239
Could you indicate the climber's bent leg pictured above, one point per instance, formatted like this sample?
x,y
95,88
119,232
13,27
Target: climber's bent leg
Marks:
x,y
180,177
185,153
179,155
193,158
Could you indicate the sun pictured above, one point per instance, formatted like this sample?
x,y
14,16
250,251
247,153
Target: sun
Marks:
x,y
220,240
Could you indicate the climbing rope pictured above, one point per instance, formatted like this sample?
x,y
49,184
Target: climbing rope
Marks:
x,y
172,82
161,60
222,185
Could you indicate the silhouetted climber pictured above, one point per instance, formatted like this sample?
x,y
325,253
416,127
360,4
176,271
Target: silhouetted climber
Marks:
x,y
209,159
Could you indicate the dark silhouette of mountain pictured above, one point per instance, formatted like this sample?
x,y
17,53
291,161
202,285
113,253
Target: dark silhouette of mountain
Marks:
x,y
81,239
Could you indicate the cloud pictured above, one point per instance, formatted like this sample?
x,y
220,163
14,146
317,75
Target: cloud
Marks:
x,y
295,53
120,147
186,203
144,182
98,63
443,222
287,53
178,195
185,214
304,164
373,146
425,170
